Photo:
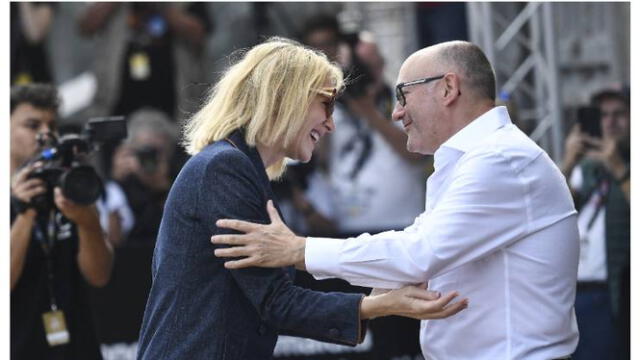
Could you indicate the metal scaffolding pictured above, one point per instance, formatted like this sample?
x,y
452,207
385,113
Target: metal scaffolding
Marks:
x,y
520,41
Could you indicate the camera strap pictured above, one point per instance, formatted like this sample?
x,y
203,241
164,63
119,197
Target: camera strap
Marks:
x,y
601,193
54,322
47,240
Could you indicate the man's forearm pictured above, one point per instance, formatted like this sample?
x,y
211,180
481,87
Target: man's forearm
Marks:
x,y
298,253
20,239
186,25
95,255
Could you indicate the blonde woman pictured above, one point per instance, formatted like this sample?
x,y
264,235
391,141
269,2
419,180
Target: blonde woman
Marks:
x,y
276,102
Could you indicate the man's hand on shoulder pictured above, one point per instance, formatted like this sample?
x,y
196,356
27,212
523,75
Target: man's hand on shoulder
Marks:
x,y
273,245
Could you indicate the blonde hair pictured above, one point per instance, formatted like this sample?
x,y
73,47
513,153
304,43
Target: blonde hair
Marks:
x,y
268,92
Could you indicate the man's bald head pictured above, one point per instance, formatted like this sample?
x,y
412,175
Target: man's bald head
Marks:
x,y
464,58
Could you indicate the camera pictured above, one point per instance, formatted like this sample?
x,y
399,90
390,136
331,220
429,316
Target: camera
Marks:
x,y
65,162
589,119
148,158
357,75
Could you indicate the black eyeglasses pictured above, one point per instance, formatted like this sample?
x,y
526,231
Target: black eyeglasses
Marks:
x,y
400,94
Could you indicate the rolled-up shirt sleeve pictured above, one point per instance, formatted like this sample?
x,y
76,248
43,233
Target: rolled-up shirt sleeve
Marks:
x,y
482,209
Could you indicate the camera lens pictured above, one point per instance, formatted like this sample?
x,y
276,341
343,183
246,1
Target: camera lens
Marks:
x,y
81,184
148,158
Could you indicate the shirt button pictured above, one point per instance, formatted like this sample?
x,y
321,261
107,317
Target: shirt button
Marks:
x,y
334,333
262,329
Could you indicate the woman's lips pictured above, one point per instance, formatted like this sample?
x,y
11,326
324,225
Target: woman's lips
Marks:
x,y
315,135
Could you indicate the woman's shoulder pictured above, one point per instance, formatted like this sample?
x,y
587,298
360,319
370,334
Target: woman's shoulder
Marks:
x,y
219,153
218,157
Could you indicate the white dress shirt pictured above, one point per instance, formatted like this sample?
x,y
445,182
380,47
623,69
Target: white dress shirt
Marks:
x,y
591,227
500,228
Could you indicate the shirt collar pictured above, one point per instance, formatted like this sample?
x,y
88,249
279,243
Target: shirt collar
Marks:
x,y
472,134
478,129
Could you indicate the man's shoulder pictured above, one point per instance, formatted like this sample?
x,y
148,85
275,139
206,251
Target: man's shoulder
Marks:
x,y
508,143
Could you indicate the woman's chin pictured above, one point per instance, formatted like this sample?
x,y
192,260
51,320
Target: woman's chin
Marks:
x,y
304,156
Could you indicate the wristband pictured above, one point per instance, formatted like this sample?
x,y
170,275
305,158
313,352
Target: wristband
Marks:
x,y
19,206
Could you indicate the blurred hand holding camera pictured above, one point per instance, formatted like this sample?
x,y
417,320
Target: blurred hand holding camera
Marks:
x,y
147,164
606,151
81,215
124,162
24,188
577,145
364,105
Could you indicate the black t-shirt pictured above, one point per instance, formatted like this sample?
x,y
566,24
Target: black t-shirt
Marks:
x,y
30,299
147,206
29,62
148,69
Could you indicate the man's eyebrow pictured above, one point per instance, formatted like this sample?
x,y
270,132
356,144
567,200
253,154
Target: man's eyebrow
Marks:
x,y
32,118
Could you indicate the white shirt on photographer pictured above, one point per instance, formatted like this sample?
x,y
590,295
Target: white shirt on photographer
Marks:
x,y
591,226
500,228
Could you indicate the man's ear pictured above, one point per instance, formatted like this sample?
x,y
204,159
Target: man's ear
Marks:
x,y
451,88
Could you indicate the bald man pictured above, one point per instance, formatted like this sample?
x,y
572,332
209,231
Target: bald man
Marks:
x,y
499,223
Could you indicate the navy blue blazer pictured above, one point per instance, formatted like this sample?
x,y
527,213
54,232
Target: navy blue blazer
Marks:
x,y
197,309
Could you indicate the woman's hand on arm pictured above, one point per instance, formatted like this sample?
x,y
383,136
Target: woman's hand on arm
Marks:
x,y
413,302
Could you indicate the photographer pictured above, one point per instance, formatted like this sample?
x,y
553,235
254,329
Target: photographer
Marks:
x,y
150,54
55,253
143,167
597,164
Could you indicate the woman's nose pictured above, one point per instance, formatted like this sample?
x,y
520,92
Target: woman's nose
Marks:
x,y
329,124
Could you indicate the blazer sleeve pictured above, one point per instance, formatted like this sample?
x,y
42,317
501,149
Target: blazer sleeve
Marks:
x,y
231,189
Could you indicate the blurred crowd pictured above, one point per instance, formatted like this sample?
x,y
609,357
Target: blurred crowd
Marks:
x,y
151,68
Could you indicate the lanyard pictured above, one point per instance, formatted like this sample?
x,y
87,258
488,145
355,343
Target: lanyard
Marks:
x,y
47,240
601,198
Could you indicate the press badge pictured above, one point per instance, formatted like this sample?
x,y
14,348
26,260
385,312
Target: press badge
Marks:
x,y
55,327
139,66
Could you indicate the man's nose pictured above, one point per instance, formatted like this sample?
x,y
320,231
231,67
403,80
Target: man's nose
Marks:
x,y
398,112
46,130
45,137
